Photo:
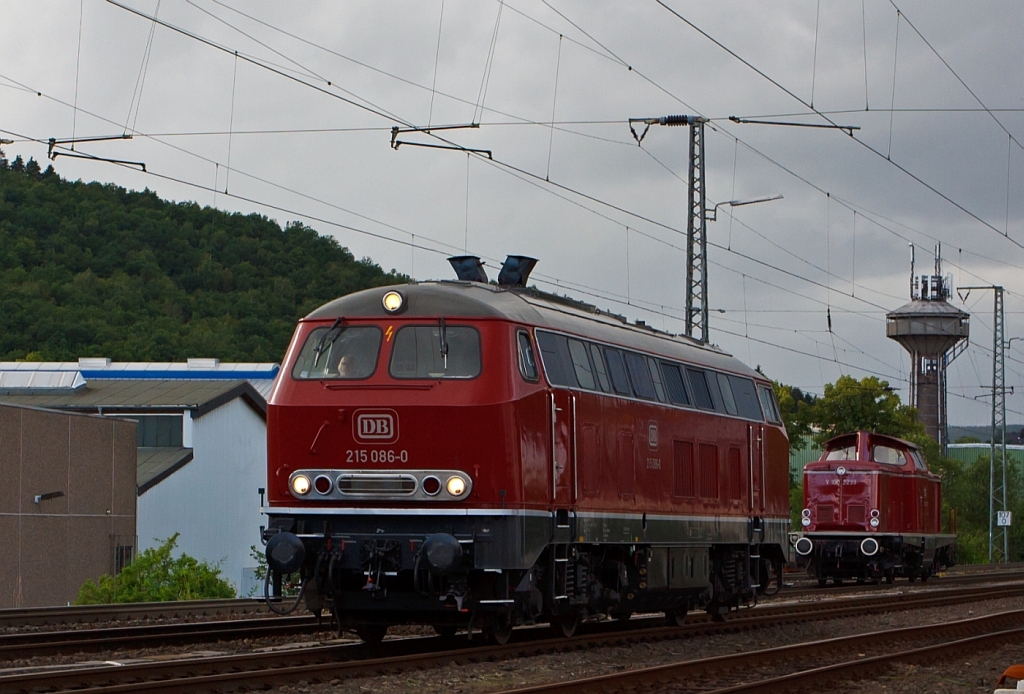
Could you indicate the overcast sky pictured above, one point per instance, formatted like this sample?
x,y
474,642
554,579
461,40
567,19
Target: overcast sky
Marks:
x,y
605,217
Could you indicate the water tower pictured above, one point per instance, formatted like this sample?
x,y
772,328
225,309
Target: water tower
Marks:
x,y
935,333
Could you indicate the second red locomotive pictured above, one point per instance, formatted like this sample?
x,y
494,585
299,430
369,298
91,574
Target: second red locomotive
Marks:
x,y
462,454
872,510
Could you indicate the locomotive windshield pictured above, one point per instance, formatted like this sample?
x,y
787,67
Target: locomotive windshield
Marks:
x,y
339,352
420,352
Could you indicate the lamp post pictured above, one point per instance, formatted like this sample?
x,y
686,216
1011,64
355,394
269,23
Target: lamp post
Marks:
x,y
696,220
738,203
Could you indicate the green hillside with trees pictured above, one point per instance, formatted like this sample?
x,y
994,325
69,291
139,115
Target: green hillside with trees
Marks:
x,y
91,269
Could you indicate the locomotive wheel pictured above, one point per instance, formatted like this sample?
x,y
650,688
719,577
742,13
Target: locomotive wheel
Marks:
x,y
501,631
622,617
372,633
676,617
837,581
912,576
565,625
822,582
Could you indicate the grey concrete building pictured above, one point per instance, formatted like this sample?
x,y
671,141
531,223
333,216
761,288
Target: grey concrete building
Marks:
x,y
67,502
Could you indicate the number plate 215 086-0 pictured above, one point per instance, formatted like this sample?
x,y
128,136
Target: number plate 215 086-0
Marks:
x,y
361,455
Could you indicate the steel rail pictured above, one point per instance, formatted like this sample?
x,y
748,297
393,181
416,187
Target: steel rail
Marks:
x,y
320,663
958,579
996,627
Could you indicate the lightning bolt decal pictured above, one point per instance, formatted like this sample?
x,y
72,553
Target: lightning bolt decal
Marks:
x,y
388,332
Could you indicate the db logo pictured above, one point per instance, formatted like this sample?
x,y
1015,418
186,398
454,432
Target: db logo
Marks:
x,y
375,426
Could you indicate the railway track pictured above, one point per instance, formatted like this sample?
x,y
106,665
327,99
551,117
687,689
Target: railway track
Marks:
x,y
804,665
83,614
36,643
319,663
977,577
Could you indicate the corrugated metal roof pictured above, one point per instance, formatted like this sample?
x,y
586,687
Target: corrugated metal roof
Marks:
x,y
155,464
970,452
130,394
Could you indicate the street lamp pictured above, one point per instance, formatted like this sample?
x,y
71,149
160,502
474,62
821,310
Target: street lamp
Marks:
x,y
713,217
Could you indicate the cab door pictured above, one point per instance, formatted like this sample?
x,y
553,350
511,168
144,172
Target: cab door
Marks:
x,y
563,446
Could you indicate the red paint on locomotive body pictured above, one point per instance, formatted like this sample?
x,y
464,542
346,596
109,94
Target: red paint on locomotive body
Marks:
x,y
608,467
868,485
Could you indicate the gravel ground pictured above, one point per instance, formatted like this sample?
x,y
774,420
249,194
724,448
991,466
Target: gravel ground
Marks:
x,y
492,676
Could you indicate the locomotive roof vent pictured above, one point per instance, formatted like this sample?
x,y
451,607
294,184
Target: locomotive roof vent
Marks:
x,y
516,270
468,268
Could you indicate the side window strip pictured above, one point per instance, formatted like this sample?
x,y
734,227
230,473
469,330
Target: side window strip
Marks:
x,y
617,371
639,376
727,397
555,368
581,365
674,384
701,393
659,388
600,368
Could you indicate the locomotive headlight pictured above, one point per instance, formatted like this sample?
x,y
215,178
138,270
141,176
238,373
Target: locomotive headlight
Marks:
x,y
393,302
806,513
300,485
805,521
873,522
456,486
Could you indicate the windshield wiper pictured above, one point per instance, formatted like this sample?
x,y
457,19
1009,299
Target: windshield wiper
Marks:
x,y
326,341
444,342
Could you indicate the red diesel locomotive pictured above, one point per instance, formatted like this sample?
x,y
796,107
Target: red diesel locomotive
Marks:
x,y
463,454
872,510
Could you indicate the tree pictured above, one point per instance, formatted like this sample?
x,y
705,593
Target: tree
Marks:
x,y
157,576
869,404
968,439
795,409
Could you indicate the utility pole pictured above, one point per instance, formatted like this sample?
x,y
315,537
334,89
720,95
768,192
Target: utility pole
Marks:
x,y
696,223
998,530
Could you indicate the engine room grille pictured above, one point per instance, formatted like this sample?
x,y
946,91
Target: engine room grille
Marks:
x,y
854,513
826,513
376,484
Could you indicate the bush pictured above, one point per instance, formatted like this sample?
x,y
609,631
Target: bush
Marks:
x,y
157,576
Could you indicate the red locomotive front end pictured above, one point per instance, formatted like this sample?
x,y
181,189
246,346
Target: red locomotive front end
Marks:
x,y
461,454
872,510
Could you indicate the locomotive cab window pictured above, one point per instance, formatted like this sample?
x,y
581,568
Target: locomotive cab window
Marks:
x,y
527,360
771,409
842,453
339,352
888,455
918,461
436,351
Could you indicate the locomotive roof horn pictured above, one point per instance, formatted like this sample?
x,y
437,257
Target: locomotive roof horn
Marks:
x,y
468,268
516,270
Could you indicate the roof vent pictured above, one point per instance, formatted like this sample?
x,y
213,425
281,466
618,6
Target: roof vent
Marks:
x,y
516,270
93,362
203,363
468,268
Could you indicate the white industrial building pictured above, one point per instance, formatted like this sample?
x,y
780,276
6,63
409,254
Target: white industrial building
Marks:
x,y
202,444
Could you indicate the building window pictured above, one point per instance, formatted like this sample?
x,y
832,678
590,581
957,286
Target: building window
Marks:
x,y
158,431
